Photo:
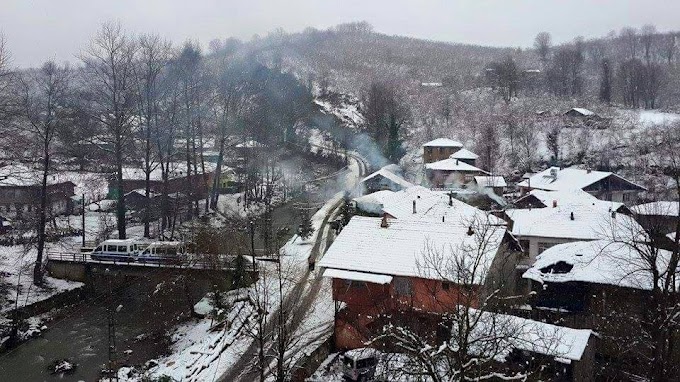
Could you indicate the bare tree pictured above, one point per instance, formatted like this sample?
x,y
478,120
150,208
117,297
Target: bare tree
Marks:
x,y
111,96
543,44
154,55
472,336
45,107
648,37
629,38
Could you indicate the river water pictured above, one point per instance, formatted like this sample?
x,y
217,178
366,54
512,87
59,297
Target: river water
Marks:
x,y
81,336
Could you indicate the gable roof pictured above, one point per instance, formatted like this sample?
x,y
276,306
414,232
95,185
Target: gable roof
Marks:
x,y
505,332
584,112
571,198
402,249
432,206
591,222
443,142
597,262
660,208
464,154
453,165
568,179
385,173
490,181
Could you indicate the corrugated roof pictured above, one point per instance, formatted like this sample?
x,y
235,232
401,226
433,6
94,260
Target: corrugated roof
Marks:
x,y
567,179
453,165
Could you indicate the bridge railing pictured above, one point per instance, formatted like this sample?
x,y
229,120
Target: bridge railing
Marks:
x,y
193,261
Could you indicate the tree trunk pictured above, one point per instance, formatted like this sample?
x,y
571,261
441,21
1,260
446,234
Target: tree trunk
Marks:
x,y
42,211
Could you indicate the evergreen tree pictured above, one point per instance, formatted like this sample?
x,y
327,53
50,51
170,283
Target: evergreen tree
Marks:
x,y
305,230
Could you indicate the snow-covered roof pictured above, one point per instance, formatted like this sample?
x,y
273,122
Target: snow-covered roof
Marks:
x,y
660,208
453,165
506,332
22,175
464,154
431,205
591,222
384,172
597,262
443,142
567,179
490,181
250,144
373,202
142,192
578,198
404,247
177,170
582,111
357,276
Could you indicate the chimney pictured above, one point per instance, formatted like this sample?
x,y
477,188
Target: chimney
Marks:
x,y
571,216
613,214
456,162
588,171
383,222
414,206
443,219
470,231
451,198
554,203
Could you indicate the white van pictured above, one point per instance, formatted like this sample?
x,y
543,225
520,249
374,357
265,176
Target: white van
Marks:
x,y
167,252
360,364
118,250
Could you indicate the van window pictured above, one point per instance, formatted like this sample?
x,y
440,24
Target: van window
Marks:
x,y
122,248
98,249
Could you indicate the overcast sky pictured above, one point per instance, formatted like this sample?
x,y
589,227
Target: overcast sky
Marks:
x,y
38,30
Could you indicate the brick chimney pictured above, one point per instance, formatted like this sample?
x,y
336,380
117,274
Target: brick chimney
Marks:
x,y
554,203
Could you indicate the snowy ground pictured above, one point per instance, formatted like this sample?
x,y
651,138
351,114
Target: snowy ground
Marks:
x,y
201,352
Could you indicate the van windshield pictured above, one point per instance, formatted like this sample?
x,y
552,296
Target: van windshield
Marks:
x,y
349,362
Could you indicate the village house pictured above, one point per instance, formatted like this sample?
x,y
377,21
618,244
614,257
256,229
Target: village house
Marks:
x,y
601,184
439,149
659,217
451,172
135,178
20,192
380,266
563,217
495,183
465,156
594,285
387,178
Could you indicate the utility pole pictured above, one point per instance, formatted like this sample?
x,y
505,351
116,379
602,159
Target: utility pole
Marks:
x,y
82,204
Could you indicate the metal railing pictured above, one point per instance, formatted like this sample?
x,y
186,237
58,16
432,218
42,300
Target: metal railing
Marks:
x,y
192,261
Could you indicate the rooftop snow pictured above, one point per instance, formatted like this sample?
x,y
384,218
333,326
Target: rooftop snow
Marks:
x,y
598,262
512,332
453,165
384,172
357,276
660,208
567,179
406,247
591,221
464,154
432,206
490,181
577,198
443,142
582,111
20,175
177,170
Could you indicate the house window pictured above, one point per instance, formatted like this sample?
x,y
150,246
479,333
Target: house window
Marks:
x,y
543,246
402,286
525,244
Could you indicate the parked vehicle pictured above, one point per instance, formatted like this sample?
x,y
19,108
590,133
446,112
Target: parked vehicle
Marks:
x,y
360,364
118,250
166,252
